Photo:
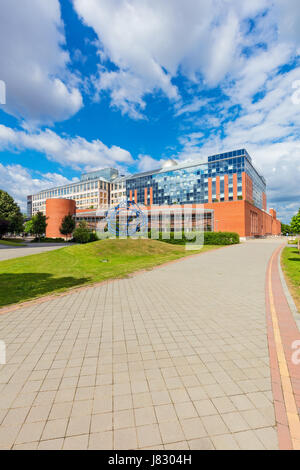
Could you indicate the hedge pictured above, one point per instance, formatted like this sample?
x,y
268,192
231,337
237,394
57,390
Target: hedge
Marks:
x,y
48,240
221,238
210,238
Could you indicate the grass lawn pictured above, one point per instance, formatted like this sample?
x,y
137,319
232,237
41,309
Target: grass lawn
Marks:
x,y
11,243
290,262
33,276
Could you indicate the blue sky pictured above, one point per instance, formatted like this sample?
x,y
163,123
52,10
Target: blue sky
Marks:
x,y
129,83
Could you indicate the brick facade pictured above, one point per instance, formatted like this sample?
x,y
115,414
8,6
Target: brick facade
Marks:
x,y
56,210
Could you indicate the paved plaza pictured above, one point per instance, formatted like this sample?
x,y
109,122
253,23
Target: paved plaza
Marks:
x,y
172,358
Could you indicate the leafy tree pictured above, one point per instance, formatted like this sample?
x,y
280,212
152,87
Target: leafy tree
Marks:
x,y
16,223
8,207
39,224
68,225
28,227
10,211
295,223
285,228
82,233
4,227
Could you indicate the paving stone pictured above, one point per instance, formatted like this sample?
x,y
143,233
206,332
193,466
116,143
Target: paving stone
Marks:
x,y
225,442
171,432
148,435
203,443
155,359
145,416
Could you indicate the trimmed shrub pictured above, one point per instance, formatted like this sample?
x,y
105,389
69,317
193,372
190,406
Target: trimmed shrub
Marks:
x,y
210,238
221,238
48,240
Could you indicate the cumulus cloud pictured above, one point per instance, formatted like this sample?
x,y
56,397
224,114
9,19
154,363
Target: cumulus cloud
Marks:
x,y
19,182
34,62
75,152
150,43
147,163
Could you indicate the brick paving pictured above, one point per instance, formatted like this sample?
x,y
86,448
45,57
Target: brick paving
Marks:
x,y
173,358
283,338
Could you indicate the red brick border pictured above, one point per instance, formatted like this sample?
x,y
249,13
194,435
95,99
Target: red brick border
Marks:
x,y
285,375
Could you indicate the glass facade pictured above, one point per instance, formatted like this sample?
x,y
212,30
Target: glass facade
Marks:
x,y
189,184
107,173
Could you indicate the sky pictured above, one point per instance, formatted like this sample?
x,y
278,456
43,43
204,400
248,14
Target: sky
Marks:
x,y
131,83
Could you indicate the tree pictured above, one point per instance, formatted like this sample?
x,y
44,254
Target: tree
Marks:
x,y
10,211
82,233
4,227
16,223
8,207
39,224
28,227
295,223
285,228
68,225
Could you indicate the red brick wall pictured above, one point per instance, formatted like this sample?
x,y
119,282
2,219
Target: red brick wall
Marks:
x,y
226,187
228,216
234,178
56,210
264,198
244,218
247,187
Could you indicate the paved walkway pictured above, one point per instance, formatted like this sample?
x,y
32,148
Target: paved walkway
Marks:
x,y
9,252
173,358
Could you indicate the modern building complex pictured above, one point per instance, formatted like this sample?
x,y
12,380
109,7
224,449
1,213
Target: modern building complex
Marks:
x,y
226,185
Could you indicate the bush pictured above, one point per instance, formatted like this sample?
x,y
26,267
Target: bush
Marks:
x,y
93,237
82,233
210,238
221,238
48,240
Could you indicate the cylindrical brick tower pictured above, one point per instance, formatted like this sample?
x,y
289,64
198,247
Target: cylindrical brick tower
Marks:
x,y
56,210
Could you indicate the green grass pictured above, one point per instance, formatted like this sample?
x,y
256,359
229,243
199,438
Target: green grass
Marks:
x,y
11,243
290,261
33,276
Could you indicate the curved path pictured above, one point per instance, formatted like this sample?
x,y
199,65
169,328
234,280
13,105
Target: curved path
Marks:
x,y
173,358
9,252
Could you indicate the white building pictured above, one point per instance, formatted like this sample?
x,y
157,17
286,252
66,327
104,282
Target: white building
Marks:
x,y
95,190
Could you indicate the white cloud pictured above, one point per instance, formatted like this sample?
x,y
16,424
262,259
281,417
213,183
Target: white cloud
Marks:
x,y
150,42
34,62
19,182
193,107
76,152
147,163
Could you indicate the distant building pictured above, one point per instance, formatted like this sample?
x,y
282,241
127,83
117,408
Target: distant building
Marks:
x,y
91,192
